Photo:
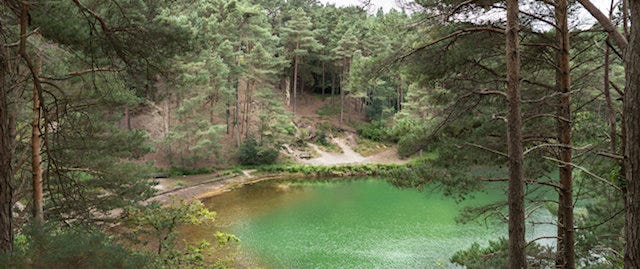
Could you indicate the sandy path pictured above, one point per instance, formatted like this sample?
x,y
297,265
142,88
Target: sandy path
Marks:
x,y
349,156
206,188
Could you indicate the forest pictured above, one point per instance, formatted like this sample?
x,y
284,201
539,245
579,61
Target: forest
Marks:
x,y
120,118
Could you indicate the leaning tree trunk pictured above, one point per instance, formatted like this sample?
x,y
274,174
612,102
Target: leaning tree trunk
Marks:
x,y
566,251
631,119
517,256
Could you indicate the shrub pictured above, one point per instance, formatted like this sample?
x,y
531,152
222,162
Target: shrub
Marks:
x,y
321,138
53,247
376,131
252,153
408,145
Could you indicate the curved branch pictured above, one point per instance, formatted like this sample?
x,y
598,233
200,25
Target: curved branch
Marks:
x,y
606,23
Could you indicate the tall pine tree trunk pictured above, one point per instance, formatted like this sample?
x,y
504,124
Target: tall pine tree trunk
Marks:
x,y
333,87
7,145
342,85
517,255
36,157
611,112
323,79
400,94
631,109
295,82
566,251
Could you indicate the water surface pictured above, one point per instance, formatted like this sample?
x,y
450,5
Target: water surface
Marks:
x,y
350,224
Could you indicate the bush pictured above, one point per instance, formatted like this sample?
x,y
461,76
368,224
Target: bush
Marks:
x,y
321,138
252,153
175,171
376,131
408,145
402,127
51,247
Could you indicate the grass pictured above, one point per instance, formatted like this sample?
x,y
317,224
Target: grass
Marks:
x,y
331,171
330,147
367,147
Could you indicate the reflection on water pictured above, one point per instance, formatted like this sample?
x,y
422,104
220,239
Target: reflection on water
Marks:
x,y
348,224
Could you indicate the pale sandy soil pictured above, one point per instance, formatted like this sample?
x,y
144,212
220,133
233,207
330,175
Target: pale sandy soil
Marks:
x,y
205,188
349,156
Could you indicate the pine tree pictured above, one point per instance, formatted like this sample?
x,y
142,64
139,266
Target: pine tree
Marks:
x,y
300,41
345,50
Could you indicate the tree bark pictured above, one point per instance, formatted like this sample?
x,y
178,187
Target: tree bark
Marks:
x,y
611,112
236,115
323,73
342,86
295,81
566,251
517,255
631,119
333,87
400,94
36,157
7,147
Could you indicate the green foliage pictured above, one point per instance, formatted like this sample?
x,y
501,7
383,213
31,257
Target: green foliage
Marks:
x,y
161,225
76,247
496,256
181,171
377,131
329,110
253,153
92,171
332,171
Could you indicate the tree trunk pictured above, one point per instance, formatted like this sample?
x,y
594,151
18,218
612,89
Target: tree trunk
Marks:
x,y
342,85
295,81
7,144
632,124
302,88
517,255
247,122
236,114
36,157
167,116
323,72
611,112
127,118
400,97
333,87
566,252
341,102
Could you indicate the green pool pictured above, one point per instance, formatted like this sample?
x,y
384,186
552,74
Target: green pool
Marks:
x,y
350,224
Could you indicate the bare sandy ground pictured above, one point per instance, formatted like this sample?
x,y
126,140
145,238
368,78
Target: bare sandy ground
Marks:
x,y
206,188
349,156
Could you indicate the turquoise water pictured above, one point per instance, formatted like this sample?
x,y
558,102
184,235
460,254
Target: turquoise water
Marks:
x,y
350,224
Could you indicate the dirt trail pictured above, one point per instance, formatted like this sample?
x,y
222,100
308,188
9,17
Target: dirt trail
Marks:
x,y
214,185
349,156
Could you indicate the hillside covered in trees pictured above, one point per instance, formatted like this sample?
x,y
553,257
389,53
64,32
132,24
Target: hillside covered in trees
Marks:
x,y
99,97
